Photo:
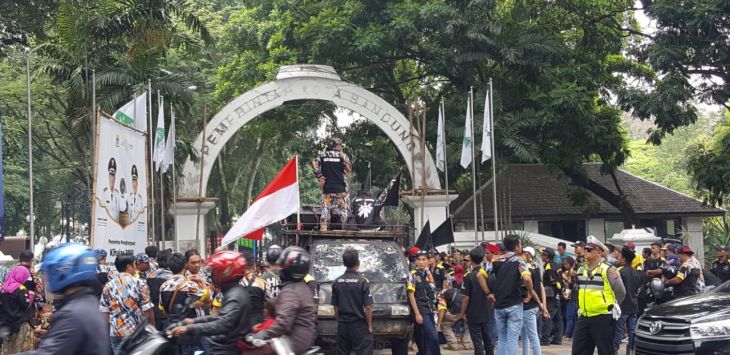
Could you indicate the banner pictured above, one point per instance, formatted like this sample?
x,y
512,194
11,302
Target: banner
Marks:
x,y
120,189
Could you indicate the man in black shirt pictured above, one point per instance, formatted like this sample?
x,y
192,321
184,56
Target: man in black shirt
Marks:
x,y
353,307
721,267
331,168
450,301
439,272
422,297
475,305
552,327
685,283
631,279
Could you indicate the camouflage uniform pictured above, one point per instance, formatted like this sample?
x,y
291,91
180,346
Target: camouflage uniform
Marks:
x,y
333,165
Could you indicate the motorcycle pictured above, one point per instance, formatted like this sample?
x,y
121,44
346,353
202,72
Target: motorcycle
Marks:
x,y
281,345
147,340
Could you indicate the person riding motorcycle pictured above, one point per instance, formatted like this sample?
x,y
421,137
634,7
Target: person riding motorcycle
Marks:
x,y
296,316
227,327
70,270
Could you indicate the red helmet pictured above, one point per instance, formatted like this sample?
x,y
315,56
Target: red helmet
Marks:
x,y
226,267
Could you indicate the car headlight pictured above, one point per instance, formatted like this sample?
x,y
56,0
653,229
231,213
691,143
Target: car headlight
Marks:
x,y
326,310
400,310
716,329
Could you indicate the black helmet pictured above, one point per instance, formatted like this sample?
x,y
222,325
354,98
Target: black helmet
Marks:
x,y
273,254
294,263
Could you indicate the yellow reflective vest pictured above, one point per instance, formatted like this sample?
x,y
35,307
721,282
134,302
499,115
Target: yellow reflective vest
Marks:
x,y
595,295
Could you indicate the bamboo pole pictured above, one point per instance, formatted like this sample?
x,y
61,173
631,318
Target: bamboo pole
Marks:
x,y
494,158
473,166
200,182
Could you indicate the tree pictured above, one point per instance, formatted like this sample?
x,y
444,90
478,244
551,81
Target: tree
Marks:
x,y
709,164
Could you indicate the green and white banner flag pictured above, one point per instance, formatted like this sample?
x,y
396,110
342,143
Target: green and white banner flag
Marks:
x,y
168,157
466,147
134,113
159,136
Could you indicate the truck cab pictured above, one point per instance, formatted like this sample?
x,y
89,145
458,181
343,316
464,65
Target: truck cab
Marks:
x,y
386,268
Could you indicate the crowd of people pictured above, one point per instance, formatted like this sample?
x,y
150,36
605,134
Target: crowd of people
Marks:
x,y
485,299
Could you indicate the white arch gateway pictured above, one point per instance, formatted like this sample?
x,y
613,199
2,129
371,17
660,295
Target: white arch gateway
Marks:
x,y
299,82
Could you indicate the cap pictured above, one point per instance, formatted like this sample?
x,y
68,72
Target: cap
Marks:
x,y
579,243
631,245
686,251
594,243
142,258
721,248
26,255
112,166
530,250
492,248
671,247
550,252
134,172
413,251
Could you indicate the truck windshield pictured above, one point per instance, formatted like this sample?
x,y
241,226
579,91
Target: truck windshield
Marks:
x,y
378,262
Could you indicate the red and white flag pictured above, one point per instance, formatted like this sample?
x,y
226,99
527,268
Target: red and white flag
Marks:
x,y
278,201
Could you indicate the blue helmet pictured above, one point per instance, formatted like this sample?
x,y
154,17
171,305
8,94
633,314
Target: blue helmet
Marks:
x,y
100,254
69,264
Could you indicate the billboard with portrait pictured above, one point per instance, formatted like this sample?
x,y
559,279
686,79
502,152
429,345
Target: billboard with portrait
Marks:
x,y
120,207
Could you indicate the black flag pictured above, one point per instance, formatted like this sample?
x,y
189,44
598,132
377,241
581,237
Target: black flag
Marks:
x,y
367,183
424,241
444,234
392,194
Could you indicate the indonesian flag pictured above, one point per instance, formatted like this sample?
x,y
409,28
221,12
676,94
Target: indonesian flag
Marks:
x,y
278,200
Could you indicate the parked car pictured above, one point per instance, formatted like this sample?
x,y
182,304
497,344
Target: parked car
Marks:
x,y
697,324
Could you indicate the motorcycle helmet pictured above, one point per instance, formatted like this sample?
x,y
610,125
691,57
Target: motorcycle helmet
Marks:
x,y
226,267
100,254
294,263
69,264
656,287
669,272
273,254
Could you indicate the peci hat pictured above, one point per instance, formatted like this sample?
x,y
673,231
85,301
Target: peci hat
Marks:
x,y
628,254
112,167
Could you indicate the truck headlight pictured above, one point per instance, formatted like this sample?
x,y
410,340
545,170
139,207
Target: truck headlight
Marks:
x,y
400,310
716,329
326,310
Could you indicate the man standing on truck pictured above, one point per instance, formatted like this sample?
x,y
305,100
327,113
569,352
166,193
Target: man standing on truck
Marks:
x,y
353,304
332,168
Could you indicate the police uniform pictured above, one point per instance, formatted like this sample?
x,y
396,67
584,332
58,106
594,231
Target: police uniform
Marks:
x,y
594,328
350,295
134,200
333,165
422,286
111,197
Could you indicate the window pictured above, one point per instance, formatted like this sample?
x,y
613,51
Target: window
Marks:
x,y
611,227
572,230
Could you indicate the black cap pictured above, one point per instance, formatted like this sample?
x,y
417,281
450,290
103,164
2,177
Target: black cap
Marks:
x,y
26,255
550,252
112,166
721,248
579,244
134,172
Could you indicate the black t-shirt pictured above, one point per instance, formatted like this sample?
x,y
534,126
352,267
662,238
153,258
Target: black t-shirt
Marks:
x,y
350,294
440,274
424,291
452,299
537,284
721,270
477,311
552,280
332,164
508,280
631,279
653,264
689,276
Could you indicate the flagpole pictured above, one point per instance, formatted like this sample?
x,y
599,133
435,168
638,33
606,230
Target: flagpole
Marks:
x,y
152,162
174,187
31,216
299,207
162,182
93,106
446,165
473,165
494,158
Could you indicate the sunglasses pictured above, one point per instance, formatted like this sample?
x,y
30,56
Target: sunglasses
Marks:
x,y
589,249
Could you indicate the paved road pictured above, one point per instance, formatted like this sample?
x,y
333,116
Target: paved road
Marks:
x,y
563,349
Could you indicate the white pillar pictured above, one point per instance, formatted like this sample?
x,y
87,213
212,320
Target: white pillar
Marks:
x,y
695,236
434,209
185,220
596,228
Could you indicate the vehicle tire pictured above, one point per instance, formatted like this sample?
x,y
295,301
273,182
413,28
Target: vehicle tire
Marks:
x,y
401,346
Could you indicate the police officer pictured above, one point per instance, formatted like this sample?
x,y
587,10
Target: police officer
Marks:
x,y
599,287
110,195
330,168
134,201
685,283
422,297
353,308
721,266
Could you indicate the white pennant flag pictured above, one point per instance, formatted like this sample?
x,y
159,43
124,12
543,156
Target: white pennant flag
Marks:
x,y
441,142
466,147
159,136
168,157
487,132
134,113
